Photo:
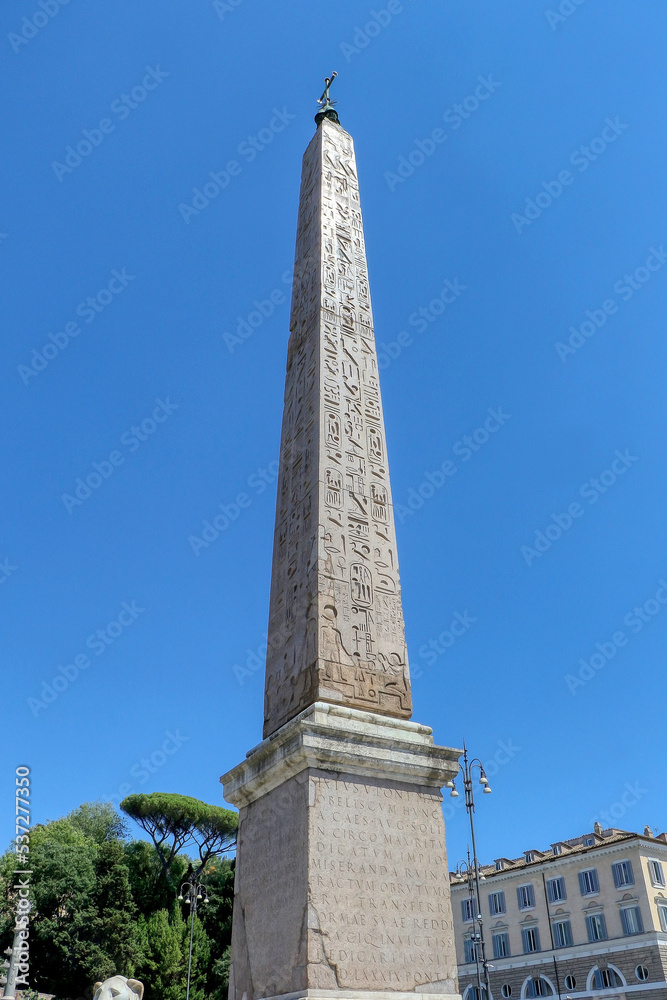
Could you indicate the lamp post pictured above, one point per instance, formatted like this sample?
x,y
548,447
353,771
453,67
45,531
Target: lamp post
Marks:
x,y
194,892
8,978
468,767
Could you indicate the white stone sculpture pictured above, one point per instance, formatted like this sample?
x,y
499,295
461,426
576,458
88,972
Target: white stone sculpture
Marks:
x,y
119,988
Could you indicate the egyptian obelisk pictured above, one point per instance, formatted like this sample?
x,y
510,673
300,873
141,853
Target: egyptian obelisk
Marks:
x,y
342,887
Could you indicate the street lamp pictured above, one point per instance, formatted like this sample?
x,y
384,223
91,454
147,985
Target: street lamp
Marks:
x,y
194,892
471,870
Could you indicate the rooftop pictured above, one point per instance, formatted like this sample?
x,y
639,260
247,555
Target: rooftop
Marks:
x,y
563,848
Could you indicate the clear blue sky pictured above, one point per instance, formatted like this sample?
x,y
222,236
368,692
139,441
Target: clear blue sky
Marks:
x,y
537,97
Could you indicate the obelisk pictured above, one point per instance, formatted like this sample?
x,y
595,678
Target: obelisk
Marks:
x,y
342,886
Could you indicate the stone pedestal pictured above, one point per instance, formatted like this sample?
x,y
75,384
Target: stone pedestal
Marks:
x,y
342,885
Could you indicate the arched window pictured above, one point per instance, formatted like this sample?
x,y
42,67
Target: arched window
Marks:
x,y
605,978
538,986
474,993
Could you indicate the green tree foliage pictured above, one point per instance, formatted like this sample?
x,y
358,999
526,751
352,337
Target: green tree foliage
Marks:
x,y
99,821
174,822
101,906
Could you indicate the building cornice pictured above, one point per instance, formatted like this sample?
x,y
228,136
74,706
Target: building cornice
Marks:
x,y
560,860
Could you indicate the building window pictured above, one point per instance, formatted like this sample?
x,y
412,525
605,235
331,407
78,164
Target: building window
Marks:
x,y
557,849
589,841
604,978
470,951
496,903
641,972
662,913
474,993
596,927
499,866
469,909
530,856
531,940
562,933
501,945
588,882
526,897
538,988
506,991
570,983
623,874
631,919
556,890
656,872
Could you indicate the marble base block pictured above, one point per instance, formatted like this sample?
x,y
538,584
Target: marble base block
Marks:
x,y
342,886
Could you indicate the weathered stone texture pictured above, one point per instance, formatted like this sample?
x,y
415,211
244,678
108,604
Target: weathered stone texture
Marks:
x,y
379,885
270,893
336,629
342,884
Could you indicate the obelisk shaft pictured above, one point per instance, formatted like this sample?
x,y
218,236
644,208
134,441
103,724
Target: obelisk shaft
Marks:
x,y
336,631
341,885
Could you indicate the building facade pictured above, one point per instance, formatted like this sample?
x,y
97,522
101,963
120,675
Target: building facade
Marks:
x,y
588,918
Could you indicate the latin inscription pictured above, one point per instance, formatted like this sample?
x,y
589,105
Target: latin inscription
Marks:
x,y
379,883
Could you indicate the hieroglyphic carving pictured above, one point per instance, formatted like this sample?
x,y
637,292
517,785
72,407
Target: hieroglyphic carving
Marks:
x,y
335,591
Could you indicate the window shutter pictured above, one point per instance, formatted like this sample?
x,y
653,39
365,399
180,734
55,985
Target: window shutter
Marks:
x,y
625,922
640,922
531,895
616,869
629,872
595,885
582,883
501,898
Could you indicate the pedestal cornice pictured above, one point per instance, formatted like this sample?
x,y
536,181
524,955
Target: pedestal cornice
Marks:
x,y
343,740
